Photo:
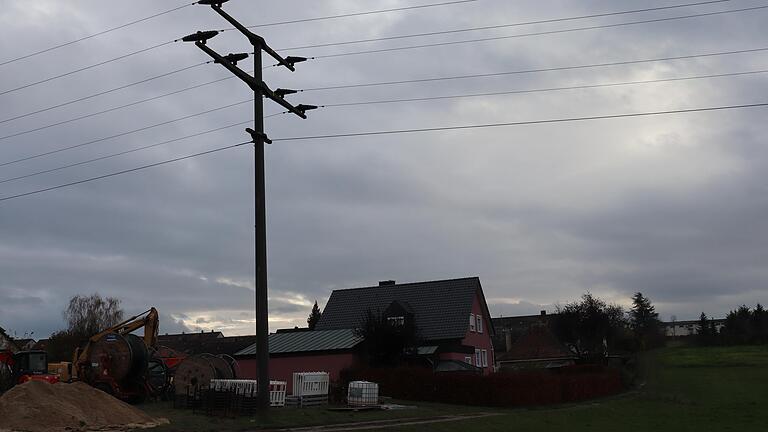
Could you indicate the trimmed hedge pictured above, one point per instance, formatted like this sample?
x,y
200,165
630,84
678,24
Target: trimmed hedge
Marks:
x,y
521,388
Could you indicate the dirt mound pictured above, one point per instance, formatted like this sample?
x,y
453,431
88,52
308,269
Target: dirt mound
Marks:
x,y
38,406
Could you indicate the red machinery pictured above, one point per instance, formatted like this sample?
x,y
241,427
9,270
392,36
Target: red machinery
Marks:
x,y
24,366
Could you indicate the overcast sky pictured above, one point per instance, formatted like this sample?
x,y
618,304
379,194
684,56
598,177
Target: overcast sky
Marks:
x,y
673,206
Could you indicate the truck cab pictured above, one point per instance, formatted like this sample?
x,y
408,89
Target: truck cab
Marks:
x,y
32,366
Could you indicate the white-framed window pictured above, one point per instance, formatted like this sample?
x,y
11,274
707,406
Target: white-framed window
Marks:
x,y
479,325
471,322
396,321
478,358
468,359
485,358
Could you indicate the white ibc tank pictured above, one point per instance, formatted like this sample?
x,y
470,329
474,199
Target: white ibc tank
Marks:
x,y
363,393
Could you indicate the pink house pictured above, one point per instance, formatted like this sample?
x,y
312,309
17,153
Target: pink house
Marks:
x,y
451,317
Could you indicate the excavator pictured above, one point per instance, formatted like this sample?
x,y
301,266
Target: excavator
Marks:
x,y
121,363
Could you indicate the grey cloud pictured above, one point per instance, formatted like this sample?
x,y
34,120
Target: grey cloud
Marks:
x,y
672,206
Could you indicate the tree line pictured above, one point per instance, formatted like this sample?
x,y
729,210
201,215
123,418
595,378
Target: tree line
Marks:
x,y
743,326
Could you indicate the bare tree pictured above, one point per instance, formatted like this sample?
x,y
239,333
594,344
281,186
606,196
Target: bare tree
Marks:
x,y
88,315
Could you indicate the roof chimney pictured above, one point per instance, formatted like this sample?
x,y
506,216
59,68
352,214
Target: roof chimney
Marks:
x,y
386,282
543,313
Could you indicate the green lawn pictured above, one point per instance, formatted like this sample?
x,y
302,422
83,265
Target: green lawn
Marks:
x,y
687,389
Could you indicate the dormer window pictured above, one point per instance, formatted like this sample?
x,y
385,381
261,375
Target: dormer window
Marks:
x,y
396,321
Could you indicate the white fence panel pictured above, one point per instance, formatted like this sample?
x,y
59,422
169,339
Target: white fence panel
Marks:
x,y
310,383
277,389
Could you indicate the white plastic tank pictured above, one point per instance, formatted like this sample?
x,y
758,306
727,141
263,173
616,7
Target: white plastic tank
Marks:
x,y
363,393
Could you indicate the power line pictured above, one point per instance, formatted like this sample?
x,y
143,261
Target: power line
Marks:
x,y
547,89
122,134
494,38
122,26
402,131
424,80
354,14
133,150
538,70
499,26
108,110
176,40
143,167
101,93
84,68
523,123
524,91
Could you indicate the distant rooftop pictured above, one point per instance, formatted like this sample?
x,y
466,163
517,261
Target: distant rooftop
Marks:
x,y
308,341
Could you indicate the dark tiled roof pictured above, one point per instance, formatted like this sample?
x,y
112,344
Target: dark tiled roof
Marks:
x,y
537,343
441,308
308,341
202,343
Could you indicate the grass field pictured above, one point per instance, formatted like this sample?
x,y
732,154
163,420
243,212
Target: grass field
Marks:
x,y
687,389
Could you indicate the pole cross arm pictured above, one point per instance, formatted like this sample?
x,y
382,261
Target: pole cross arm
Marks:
x,y
256,86
256,40
218,58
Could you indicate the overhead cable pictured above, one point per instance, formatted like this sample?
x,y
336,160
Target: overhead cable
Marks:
x,y
122,134
543,90
101,93
133,150
499,26
537,70
400,131
140,168
354,14
522,123
122,26
108,110
84,68
549,32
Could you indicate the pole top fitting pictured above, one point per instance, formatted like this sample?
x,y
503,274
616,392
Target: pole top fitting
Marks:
x,y
200,36
258,137
212,2
304,108
292,60
233,58
281,92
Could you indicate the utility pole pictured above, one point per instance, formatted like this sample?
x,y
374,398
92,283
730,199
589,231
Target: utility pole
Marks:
x,y
260,90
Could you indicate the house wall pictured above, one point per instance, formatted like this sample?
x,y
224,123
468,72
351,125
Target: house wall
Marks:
x,y
478,339
6,344
282,368
688,328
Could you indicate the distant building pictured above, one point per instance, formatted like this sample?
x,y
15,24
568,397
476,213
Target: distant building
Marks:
x,y
186,344
6,342
528,342
24,344
689,328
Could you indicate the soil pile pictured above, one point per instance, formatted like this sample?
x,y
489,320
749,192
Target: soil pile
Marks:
x,y
38,406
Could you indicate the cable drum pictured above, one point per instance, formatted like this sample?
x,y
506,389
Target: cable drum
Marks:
x,y
120,357
198,370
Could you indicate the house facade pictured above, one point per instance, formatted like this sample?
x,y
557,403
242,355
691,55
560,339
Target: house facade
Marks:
x,y
451,318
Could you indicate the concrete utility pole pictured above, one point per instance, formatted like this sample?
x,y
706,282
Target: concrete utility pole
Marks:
x,y
260,90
